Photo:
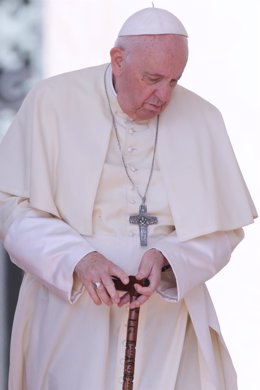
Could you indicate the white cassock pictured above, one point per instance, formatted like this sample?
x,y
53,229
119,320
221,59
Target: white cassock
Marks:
x,y
61,340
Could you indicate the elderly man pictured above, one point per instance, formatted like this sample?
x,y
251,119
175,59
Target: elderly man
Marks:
x,y
112,171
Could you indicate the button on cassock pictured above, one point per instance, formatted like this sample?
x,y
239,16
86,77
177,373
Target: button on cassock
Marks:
x,y
131,149
132,168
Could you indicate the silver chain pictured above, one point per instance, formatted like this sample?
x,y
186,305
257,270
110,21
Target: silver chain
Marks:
x,y
142,197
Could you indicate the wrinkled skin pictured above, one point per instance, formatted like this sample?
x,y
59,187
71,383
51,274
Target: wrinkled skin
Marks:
x,y
145,71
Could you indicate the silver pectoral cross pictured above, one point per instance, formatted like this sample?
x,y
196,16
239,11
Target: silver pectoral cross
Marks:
x,y
143,220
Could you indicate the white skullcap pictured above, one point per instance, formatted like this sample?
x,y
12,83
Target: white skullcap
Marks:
x,y
152,21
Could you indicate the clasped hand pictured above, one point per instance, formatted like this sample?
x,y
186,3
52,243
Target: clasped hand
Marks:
x,y
94,267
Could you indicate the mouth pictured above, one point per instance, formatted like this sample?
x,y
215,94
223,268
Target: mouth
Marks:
x,y
156,107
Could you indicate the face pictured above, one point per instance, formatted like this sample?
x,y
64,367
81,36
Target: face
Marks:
x,y
145,73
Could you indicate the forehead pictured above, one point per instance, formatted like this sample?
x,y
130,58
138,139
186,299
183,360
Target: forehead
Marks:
x,y
159,51
155,43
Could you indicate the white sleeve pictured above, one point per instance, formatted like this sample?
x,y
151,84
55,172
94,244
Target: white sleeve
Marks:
x,y
195,261
44,246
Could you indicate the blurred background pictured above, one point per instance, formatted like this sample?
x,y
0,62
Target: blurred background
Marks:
x,y
41,38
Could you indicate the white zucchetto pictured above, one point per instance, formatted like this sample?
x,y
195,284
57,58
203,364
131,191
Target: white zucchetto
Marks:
x,y
152,21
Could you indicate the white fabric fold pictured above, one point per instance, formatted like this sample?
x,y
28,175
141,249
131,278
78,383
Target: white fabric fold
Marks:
x,y
51,214
194,156
48,249
195,261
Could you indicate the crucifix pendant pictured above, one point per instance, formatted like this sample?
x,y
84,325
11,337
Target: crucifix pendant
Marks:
x,y
143,220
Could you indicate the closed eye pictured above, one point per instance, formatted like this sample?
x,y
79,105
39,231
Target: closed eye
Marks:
x,y
152,79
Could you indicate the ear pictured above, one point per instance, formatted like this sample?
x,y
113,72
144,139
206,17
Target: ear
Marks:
x,y
116,55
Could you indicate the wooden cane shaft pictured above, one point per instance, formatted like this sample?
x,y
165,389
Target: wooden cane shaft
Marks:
x,y
130,350
132,327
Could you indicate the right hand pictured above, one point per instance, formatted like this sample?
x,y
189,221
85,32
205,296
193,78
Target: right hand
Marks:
x,y
94,267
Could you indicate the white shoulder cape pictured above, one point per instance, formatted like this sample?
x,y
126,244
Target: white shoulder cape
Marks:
x,y
54,152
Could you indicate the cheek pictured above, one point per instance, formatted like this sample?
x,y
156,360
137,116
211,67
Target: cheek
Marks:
x,y
143,98
144,93
138,94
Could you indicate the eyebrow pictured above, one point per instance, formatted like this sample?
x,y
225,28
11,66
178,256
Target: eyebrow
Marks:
x,y
158,75
155,75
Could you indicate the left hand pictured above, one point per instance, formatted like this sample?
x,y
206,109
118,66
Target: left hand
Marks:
x,y
150,267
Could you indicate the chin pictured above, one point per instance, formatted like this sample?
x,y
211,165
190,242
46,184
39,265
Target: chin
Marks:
x,y
147,114
145,117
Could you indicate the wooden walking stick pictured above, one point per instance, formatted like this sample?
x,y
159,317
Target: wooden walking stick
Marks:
x,y
132,328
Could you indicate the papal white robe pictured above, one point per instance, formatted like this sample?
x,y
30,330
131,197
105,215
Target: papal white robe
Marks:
x,y
61,340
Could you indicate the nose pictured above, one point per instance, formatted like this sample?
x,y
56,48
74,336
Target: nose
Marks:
x,y
163,93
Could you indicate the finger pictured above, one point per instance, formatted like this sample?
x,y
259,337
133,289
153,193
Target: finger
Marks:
x,y
110,289
119,273
147,291
144,270
103,295
142,275
124,300
92,293
138,302
154,278
151,260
